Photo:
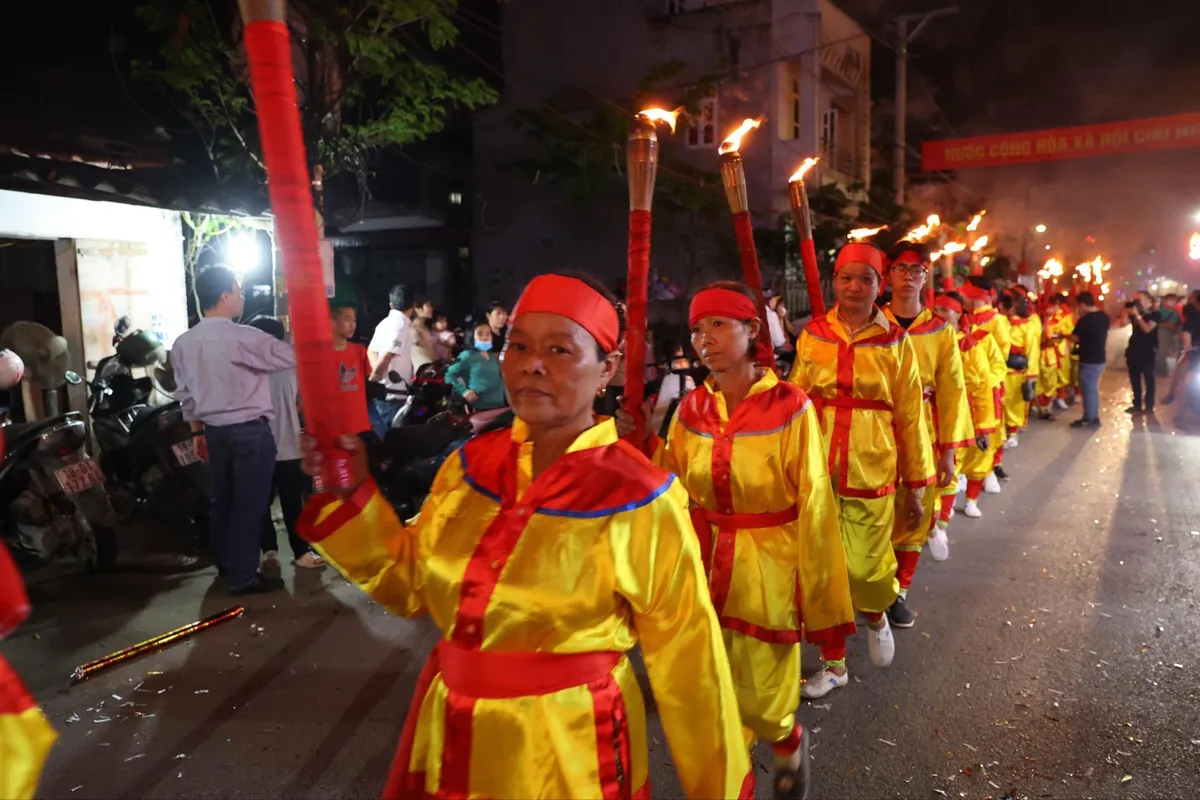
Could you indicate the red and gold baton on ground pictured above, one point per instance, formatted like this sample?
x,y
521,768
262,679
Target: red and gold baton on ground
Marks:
x,y
802,218
641,159
269,51
733,176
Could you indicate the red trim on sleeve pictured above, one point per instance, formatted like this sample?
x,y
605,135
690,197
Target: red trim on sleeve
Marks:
x,y
315,532
956,445
922,483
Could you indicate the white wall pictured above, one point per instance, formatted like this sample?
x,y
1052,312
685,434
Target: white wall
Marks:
x,y
128,261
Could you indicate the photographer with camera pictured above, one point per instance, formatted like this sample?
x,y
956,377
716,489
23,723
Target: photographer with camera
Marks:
x,y
1142,351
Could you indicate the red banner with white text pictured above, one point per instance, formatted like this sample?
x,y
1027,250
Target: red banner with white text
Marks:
x,y
1055,144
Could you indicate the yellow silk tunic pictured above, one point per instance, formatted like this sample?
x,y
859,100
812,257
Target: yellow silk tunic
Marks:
x,y
772,579
1026,340
868,390
595,555
978,463
1056,355
947,411
995,323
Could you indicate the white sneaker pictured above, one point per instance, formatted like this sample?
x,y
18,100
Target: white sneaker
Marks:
x,y
1012,441
1060,404
972,510
823,683
939,543
881,645
991,484
962,484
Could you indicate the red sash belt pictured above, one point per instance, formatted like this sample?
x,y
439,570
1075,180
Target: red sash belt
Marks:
x,y
483,674
474,674
727,526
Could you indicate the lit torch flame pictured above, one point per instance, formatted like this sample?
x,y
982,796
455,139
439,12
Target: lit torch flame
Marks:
x,y
974,223
983,262
1053,268
734,140
923,232
979,244
858,234
1194,247
1105,287
935,255
656,115
808,164
953,247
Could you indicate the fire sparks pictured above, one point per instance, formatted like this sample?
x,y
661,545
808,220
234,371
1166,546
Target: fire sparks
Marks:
x,y
733,141
858,234
923,232
973,225
656,115
808,164
979,244
1194,247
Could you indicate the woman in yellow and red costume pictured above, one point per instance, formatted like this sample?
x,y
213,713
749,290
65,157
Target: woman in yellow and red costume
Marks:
x,y
1057,328
1024,361
861,371
544,553
748,449
979,296
979,351
25,735
947,414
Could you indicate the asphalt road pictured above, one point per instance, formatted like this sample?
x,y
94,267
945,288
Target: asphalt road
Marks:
x,y
1054,656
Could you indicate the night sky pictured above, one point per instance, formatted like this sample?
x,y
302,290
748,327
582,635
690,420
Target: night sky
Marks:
x,y
998,65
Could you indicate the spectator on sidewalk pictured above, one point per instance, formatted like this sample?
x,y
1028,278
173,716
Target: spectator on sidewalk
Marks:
x,y
288,481
444,340
221,375
476,373
421,317
1169,325
354,369
1091,332
497,320
390,352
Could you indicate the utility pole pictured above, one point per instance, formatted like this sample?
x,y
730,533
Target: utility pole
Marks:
x,y
903,37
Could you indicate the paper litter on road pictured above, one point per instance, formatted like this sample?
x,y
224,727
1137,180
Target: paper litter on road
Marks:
x,y
885,741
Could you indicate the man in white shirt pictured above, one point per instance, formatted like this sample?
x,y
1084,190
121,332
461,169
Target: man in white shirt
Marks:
x,y
221,374
391,351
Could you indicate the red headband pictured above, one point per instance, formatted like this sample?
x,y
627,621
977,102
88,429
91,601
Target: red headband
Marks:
x,y
972,291
575,300
858,253
910,255
945,301
721,303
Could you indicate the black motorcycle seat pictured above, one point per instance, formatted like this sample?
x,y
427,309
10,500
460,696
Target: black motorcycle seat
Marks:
x,y
19,432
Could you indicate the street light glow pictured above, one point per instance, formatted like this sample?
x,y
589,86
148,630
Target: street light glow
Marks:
x,y
1040,229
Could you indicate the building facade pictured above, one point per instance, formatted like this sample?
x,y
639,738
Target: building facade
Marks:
x,y
802,65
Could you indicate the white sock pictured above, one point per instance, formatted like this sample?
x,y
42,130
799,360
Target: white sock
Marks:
x,y
904,593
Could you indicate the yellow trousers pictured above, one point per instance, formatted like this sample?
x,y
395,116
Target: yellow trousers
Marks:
x,y
766,678
867,526
1016,410
978,463
904,537
1048,385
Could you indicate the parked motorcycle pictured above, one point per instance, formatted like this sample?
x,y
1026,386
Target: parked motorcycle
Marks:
x,y
147,450
52,494
427,395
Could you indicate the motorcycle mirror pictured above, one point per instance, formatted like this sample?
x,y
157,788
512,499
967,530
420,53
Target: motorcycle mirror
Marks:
x,y
72,378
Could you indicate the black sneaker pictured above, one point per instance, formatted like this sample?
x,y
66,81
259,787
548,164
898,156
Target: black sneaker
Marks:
x,y
899,614
1135,410
1000,473
792,772
260,585
1086,423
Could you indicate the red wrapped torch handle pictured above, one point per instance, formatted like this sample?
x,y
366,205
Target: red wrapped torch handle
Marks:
x,y
743,228
812,277
268,49
636,291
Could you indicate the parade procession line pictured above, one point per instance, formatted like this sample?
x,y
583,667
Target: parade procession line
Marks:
x,y
1051,658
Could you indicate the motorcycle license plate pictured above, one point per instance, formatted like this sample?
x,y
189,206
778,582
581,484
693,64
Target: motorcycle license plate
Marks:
x,y
78,478
185,452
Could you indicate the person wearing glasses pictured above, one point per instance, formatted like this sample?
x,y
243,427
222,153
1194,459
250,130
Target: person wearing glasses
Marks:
x,y
947,414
